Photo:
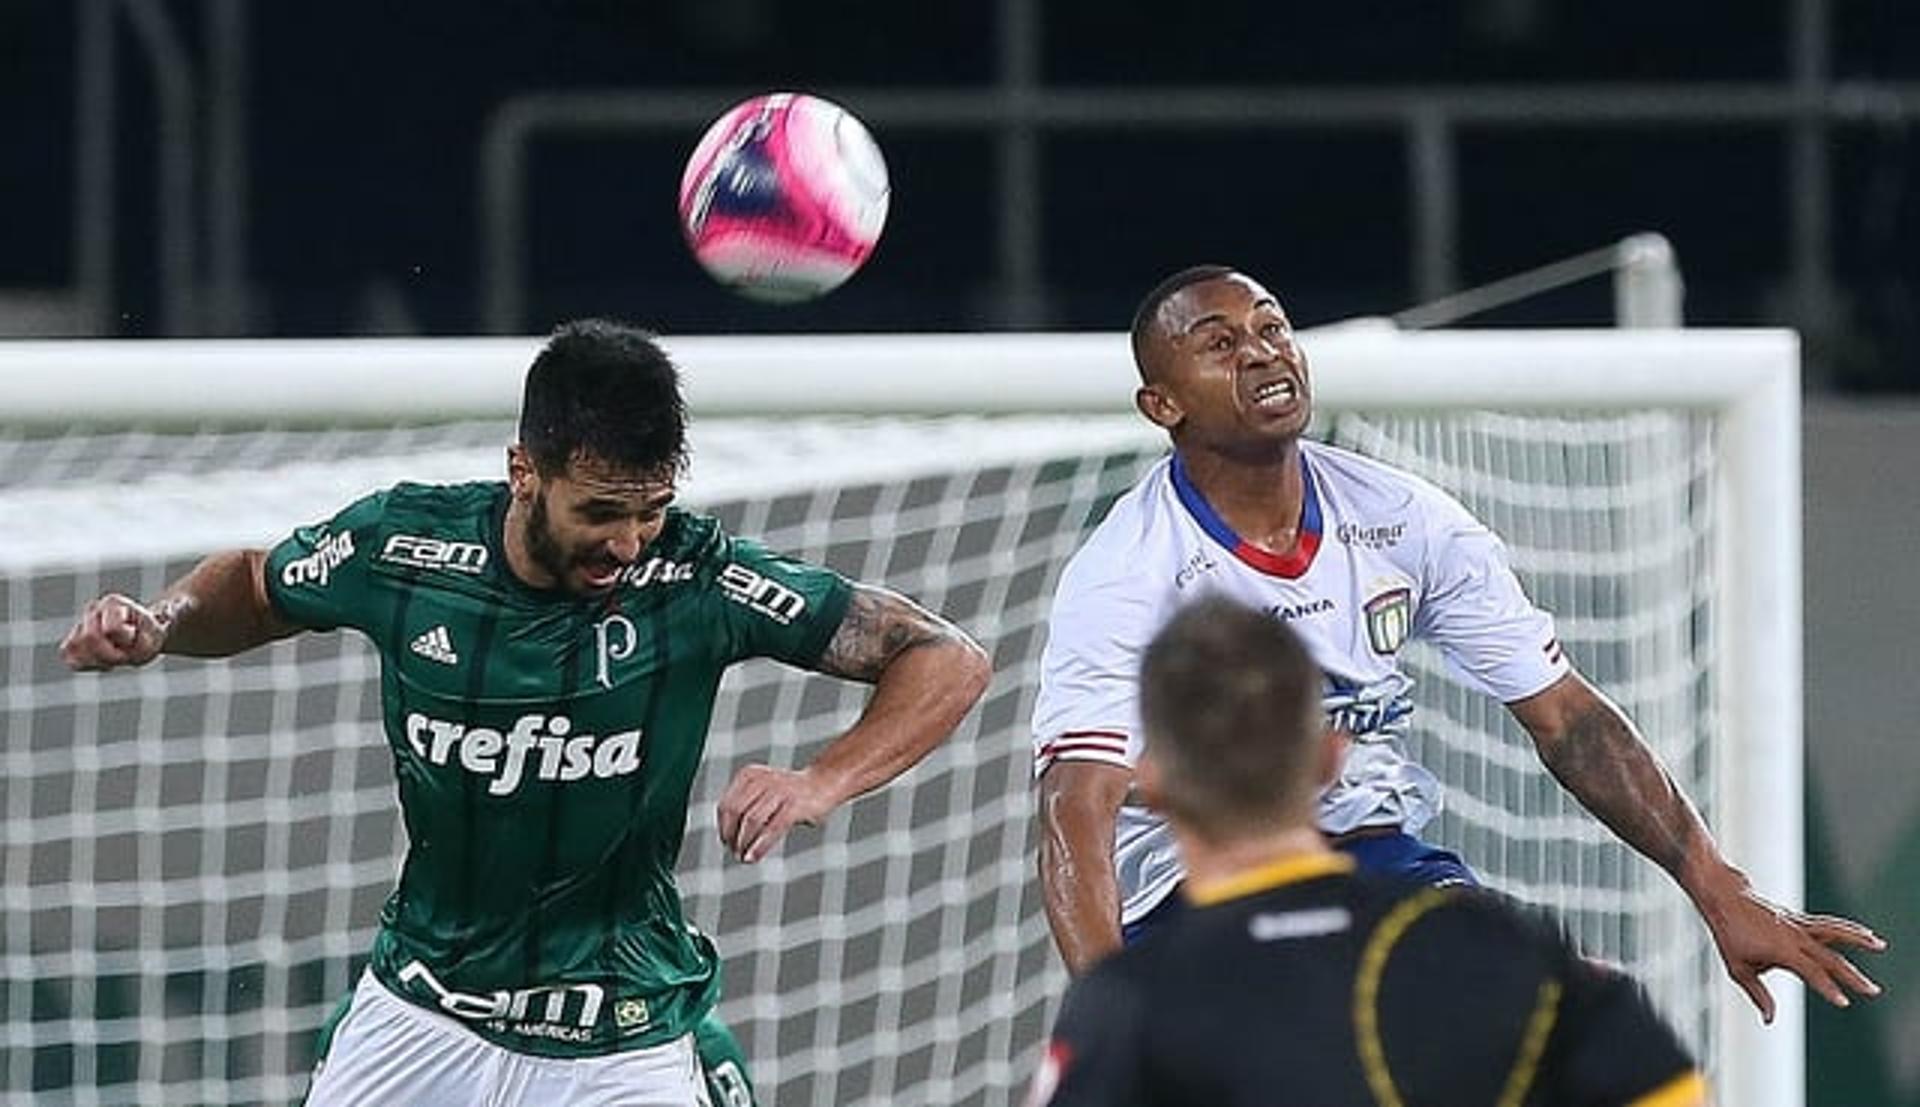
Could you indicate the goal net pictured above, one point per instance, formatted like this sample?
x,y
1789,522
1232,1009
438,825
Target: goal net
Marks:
x,y
194,854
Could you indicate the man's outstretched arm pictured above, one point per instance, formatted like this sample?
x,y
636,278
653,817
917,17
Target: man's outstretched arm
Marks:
x,y
927,674
217,610
1597,754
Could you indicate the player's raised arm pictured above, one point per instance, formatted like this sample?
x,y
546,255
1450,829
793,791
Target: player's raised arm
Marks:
x,y
218,609
927,674
1595,751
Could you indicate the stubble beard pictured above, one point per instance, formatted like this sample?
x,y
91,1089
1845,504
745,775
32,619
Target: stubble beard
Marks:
x,y
540,544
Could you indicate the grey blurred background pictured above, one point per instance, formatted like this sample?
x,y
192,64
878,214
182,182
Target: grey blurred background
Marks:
x,y
228,167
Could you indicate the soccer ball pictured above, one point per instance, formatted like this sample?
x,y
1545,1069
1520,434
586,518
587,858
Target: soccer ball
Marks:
x,y
784,198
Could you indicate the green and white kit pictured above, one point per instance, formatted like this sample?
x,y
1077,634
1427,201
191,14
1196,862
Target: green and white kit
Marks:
x,y
544,747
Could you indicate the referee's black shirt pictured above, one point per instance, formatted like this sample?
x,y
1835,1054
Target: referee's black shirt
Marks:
x,y
1301,983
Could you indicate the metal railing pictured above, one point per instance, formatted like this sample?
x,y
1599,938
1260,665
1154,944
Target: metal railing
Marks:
x,y
1430,120
201,181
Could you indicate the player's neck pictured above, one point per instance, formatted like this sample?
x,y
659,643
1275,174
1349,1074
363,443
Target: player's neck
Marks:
x,y
1213,863
1261,499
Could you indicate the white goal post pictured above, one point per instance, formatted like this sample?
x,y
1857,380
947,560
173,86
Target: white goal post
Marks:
x,y
1667,464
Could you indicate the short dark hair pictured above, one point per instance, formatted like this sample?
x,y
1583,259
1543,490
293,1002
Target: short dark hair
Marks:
x,y
1156,298
1230,702
607,391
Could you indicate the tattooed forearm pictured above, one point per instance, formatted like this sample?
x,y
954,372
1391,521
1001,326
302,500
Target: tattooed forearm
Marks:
x,y
879,626
1600,758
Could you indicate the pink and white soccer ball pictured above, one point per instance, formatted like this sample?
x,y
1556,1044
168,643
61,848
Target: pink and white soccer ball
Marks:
x,y
784,198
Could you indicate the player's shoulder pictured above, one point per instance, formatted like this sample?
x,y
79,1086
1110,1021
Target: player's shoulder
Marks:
x,y
401,528
692,547
1126,538
433,526
1309,901
435,508
1368,478
690,533
1385,494
1467,908
1428,933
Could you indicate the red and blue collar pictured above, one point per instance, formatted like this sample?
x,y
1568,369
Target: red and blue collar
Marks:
x,y
1292,564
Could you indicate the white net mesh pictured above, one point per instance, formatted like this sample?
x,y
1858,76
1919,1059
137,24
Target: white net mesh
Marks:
x,y
194,854
1608,519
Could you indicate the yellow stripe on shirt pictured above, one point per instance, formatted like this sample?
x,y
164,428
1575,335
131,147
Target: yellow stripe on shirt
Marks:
x,y
1686,1090
1271,875
1366,990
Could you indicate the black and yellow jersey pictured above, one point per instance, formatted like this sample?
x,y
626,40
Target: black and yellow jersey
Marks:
x,y
1304,983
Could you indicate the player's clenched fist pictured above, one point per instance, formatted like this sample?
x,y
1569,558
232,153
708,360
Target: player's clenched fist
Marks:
x,y
762,803
112,631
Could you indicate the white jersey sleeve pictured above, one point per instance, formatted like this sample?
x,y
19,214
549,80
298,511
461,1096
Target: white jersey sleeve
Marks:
x,y
1099,627
1474,609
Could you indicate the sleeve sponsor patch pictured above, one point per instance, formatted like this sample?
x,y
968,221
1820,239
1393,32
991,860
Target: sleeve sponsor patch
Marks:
x,y
316,568
761,593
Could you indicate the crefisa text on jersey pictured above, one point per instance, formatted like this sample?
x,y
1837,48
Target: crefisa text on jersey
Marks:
x,y
656,570
503,755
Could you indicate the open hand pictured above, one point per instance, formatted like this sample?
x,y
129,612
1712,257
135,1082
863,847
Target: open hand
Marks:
x,y
1755,935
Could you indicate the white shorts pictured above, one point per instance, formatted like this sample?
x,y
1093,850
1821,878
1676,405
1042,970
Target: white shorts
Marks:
x,y
387,1052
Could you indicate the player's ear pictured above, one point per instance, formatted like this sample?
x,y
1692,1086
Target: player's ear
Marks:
x,y
522,478
1161,410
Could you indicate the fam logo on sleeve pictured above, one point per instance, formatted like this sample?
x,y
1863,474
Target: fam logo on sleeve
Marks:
x,y
761,593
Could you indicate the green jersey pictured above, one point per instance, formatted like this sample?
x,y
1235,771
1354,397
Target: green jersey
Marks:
x,y
544,747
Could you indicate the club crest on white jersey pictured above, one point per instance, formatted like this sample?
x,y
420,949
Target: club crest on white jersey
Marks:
x,y
1389,616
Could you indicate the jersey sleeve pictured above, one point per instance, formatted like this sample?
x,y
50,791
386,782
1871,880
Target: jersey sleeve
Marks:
x,y
1095,1057
1473,608
1087,708
777,606
317,577
1612,1047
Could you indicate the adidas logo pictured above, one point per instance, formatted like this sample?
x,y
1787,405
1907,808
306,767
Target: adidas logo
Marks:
x,y
436,645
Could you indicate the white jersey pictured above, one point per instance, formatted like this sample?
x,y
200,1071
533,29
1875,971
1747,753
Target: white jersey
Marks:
x,y
1382,556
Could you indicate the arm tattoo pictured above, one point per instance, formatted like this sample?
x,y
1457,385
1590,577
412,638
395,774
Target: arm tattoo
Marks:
x,y
879,626
1606,765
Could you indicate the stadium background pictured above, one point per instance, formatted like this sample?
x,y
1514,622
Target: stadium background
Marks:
x,y
220,167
